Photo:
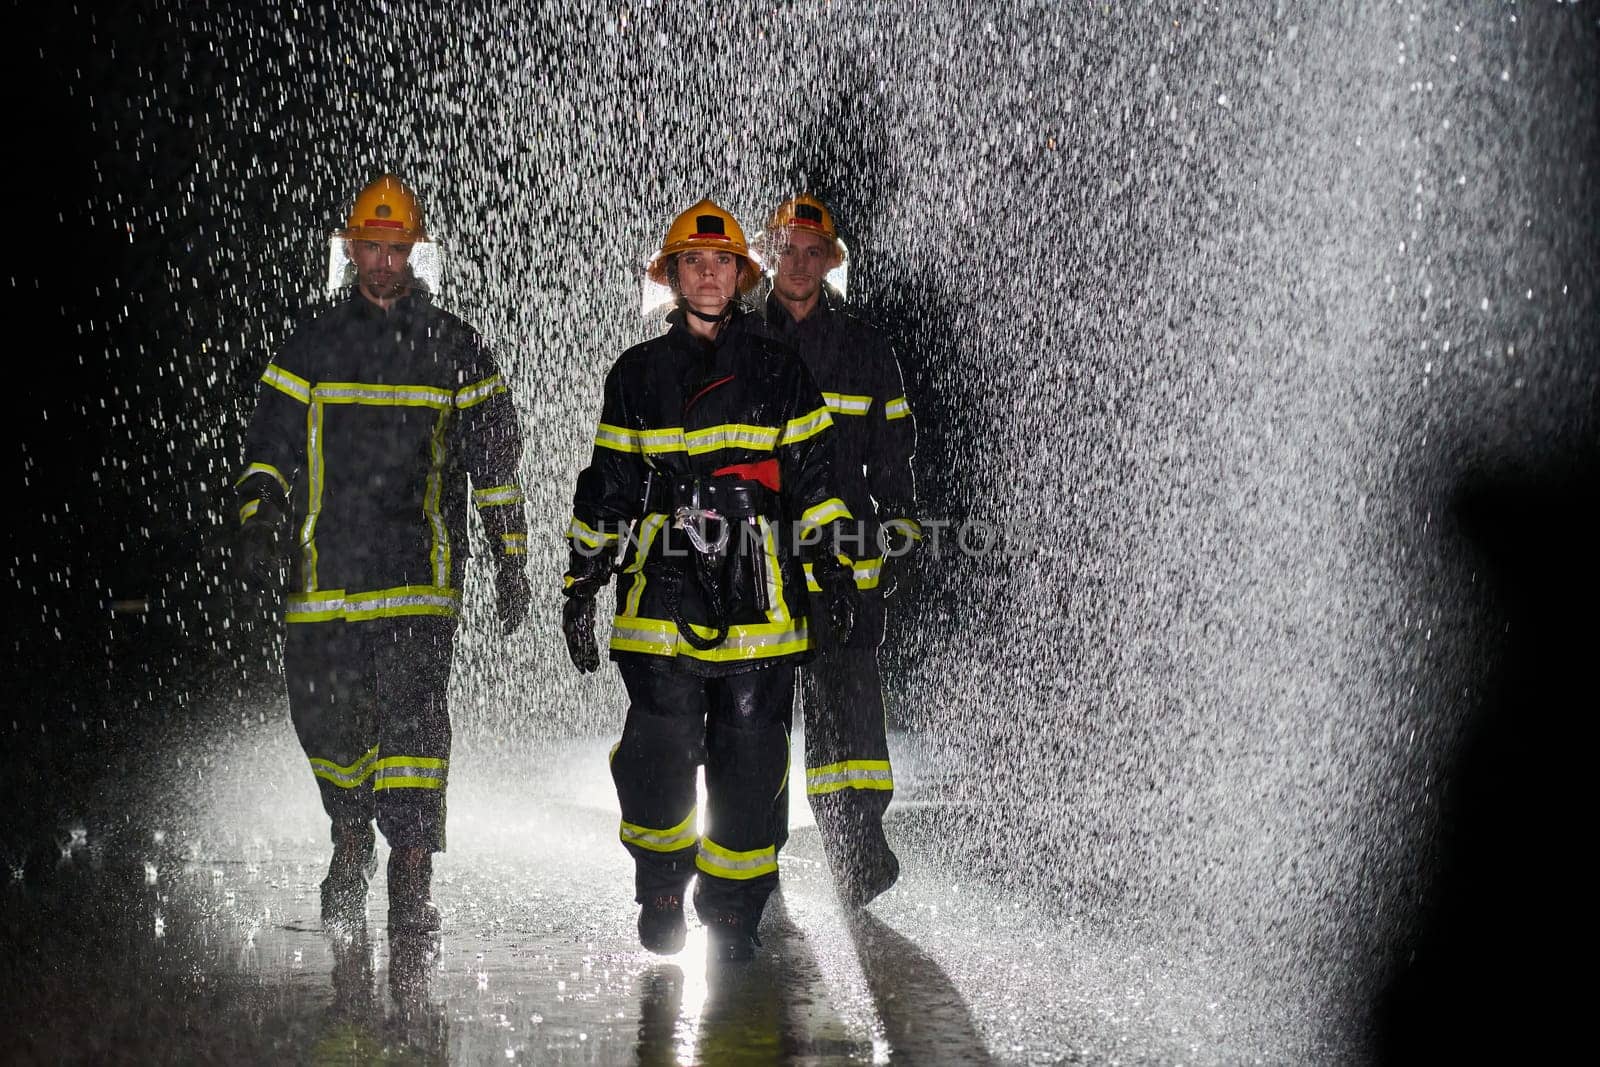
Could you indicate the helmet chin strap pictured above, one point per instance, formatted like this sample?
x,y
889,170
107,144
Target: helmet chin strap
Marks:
x,y
722,316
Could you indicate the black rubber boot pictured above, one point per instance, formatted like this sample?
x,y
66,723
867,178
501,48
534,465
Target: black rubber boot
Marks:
x,y
355,860
410,878
661,924
730,937
864,886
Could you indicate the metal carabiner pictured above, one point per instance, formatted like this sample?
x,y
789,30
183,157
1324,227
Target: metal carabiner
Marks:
x,y
692,522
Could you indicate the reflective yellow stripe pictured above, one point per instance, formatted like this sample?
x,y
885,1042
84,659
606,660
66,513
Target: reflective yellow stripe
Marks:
x,y
648,529
308,532
439,550
673,839
823,513
867,573
910,527
410,772
247,512
405,396
288,383
346,777
845,404
752,641
721,862
335,604
778,611
469,395
514,544
898,408
657,442
263,468
498,496
587,535
849,774
731,435
617,438
806,426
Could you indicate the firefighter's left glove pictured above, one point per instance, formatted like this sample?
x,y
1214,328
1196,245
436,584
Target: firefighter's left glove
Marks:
x,y
840,599
511,595
258,555
577,623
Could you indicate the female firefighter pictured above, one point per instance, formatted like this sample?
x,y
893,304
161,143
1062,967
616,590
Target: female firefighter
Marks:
x,y
710,472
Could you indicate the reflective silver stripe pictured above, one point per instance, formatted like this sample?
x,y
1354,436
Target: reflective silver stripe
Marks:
x,y
849,774
669,840
845,404
345,777
806,426
824,513
721,862
391,395
898,408
655,442
584,534
497,495
247,512
410,772
263,468
285,382
731,436
515,544
412,600
477,394
617,438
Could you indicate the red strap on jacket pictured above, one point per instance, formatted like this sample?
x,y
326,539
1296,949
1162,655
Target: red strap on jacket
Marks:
x,y
765,472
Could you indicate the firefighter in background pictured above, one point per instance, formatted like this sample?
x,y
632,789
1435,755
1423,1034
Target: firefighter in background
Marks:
x,y
372,422
848,776
711,472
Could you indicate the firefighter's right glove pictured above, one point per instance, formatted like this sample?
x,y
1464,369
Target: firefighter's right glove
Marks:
x,y
258,557
577,622
840,600
511,595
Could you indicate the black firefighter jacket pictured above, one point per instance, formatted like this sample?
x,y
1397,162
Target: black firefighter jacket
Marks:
x,y
368,429
677,411
875,435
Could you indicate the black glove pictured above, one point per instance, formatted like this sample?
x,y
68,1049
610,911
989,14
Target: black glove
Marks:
x,y
511,595
896,545
840,599
258,557
577,622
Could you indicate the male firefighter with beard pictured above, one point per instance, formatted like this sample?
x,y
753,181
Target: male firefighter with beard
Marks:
x,y
711,468
848,776
373,422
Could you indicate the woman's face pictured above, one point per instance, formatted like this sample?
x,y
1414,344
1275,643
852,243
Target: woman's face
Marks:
x,y
708,279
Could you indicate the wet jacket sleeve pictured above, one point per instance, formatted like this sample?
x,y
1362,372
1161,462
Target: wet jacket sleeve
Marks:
x,y
274,452
489,440
610,495
894,442
805,462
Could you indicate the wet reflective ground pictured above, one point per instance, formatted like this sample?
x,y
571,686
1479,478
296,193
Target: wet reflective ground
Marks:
x,y
173,917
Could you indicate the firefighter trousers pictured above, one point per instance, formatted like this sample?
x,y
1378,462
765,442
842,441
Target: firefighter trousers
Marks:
x,y
848,778
737,726
368,703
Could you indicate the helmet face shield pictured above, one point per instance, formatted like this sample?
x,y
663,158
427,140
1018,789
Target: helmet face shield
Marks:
x,y
424,266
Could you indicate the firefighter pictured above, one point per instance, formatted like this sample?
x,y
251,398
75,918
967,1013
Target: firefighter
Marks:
x,y
849,780
710,479
378,423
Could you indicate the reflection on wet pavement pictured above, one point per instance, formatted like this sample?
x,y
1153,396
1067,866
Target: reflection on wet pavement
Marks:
x,y
181,925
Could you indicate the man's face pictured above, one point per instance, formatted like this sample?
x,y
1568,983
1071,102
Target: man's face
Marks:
x,y
708,278
804,259
381,267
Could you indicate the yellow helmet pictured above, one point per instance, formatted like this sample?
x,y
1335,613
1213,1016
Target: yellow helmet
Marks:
x,y
808,213
386,210
704,226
